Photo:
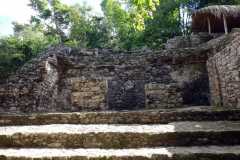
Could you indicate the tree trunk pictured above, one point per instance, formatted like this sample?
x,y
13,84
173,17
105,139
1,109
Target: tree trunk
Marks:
x,y
183,22
59,35
179,14
85,37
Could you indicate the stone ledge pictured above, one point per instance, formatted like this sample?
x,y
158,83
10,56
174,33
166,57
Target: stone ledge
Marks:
x,y
169,153
120,117
121,136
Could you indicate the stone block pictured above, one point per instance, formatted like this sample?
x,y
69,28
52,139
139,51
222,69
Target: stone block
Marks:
x,y
94,89
90,98
163,96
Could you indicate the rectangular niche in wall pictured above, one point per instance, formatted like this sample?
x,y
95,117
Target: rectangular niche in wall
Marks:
x,y
89,93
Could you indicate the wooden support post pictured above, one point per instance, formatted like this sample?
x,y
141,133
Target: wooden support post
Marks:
x,y
225,24
209,24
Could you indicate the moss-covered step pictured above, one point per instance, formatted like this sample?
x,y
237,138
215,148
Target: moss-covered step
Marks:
x,y
164,153
123,117
121,136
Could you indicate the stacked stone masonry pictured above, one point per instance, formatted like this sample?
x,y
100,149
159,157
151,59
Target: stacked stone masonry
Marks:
x,y
191,40
121,136
163,96
88,93
65,79
60,74
159,153
224,74
119,117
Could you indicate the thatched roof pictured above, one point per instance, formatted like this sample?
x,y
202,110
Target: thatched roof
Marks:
x,y
216,12
219,10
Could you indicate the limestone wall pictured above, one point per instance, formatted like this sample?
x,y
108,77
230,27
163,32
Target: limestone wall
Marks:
x,y
178,42
15,97
87,93
191,40
197,38
65,79
68,79
163,96
224,76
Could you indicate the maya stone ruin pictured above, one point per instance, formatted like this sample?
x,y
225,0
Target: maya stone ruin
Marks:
x,y
200,69
65,79
102,104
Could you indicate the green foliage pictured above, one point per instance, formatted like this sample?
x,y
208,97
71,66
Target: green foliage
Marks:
x,y
80,23
54,12
100,35
128,38
164,25
114,13
14,54
17,50
143,10
124,36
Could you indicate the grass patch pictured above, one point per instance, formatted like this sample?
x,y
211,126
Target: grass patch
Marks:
x,y
218,107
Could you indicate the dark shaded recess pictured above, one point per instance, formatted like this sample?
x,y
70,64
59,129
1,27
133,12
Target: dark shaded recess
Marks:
x,y
109,67
166,59
120,99
199,23
3,99
196,93
64,64
61,86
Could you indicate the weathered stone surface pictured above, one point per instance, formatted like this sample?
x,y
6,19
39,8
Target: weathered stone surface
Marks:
x,y
178,42
46,84
120,78
116,117
163,96
166,153
86,93
194,39
223,70
64,79
122,136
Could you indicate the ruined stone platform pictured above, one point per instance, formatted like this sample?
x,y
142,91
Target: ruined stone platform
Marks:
x,y
137,99
191,133
157,116
122,136
166,153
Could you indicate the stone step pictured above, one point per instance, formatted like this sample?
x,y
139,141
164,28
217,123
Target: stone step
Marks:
x,y
163,153
122,117
121,136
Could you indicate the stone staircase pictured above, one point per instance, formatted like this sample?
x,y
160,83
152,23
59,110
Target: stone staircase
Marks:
x,y
199,133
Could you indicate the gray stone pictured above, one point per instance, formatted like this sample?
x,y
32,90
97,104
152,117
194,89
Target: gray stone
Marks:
x,y
128,85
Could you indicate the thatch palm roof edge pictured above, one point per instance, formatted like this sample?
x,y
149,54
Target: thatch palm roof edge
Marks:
x,y
219,10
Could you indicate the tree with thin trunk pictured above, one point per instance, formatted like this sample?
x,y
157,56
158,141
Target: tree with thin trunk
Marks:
x,y
52,13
